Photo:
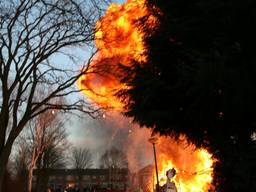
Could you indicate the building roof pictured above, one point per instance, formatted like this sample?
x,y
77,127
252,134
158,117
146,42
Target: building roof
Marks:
x,y
83,171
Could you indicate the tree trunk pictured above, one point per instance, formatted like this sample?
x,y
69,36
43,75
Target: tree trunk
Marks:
x,y
4,156
30,178
39,174
34,159
2,171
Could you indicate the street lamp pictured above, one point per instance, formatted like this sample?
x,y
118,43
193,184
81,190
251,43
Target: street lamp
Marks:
x,y
153,140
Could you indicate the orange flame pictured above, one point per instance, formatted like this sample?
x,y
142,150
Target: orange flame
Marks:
x,y
193,166
120,41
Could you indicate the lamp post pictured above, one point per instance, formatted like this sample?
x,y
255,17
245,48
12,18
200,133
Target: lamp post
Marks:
x,y
153,141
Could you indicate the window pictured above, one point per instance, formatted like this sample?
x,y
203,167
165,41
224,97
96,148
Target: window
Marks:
x,y
86,177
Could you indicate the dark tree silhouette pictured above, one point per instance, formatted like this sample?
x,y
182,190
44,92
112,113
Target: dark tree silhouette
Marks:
x,y
54,157
200,80
81,158
40,147
115,161
113,158
46,133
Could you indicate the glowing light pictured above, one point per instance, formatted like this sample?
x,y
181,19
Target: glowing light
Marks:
x,y
193,166
119,41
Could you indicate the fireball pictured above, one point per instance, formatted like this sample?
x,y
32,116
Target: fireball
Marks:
x,y
119,40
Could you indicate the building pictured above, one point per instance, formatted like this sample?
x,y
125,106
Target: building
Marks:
x,y
84,179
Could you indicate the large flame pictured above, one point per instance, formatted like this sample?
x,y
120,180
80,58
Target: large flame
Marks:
x,y
193,166
120,41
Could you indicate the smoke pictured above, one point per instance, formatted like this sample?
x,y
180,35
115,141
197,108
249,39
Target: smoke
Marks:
x,y
114,130
129,138
139,150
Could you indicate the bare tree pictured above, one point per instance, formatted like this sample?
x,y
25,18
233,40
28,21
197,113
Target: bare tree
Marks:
x,y
39,149
46,132
54,157
81,158
113,158
32,34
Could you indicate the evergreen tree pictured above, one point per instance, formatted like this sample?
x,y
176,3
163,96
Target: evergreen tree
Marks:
x,y
200,81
